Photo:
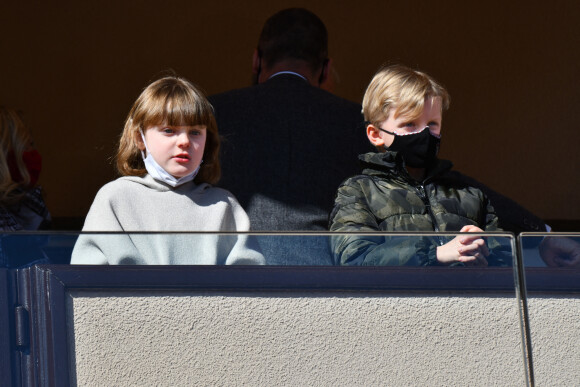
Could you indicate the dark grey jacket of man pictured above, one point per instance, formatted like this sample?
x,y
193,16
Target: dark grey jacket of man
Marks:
x,y
286,147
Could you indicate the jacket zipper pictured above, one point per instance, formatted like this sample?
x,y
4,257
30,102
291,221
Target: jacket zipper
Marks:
x,y
423,195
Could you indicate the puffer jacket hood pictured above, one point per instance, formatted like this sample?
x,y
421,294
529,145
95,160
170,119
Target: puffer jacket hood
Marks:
x,y
391,164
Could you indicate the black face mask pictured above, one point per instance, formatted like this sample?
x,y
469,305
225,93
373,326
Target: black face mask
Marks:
x,y
419,150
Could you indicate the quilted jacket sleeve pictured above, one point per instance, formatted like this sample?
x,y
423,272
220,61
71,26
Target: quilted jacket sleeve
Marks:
x,y
361,245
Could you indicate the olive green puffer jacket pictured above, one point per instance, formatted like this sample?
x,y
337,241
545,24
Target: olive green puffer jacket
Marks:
x,y
386,198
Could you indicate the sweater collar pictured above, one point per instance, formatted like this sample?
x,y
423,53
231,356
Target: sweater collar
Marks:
x,y
148,181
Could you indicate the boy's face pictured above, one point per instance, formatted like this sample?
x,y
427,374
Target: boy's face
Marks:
x,y
430,116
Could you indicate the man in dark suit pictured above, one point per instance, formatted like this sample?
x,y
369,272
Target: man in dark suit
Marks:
x,y
287,143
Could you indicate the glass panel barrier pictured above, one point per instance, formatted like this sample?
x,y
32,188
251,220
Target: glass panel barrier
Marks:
x,y
552,280
21,249
557,250
286,249
299,319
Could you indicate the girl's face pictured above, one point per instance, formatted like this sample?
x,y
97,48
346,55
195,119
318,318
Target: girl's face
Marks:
x,y
178,149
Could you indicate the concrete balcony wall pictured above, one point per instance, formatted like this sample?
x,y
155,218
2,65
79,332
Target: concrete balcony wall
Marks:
x,y
555,332
280,338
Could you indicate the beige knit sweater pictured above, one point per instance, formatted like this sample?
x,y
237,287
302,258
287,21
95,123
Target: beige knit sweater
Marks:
x,y
141,204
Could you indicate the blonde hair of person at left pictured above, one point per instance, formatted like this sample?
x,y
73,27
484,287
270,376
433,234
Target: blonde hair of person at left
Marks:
x,y
172,101
14,137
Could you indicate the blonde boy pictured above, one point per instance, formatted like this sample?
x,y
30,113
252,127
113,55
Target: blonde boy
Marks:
x,y
405,187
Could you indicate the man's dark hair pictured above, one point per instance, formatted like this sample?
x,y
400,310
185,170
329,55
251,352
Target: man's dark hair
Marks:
x,y
294,33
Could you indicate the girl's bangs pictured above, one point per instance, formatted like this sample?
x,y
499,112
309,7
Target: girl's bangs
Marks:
x,y
178,109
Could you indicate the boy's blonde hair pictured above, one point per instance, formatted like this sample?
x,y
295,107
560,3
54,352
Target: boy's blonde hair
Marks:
x,y
170,101
401,88
15,139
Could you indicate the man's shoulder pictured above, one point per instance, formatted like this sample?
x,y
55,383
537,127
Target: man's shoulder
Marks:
x,y
230,94
279,92
512,216
338,101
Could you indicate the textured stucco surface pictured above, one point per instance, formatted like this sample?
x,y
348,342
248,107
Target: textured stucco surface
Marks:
x,y
282,339
555,333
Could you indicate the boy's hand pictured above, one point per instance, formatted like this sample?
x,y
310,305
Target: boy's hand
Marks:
x,y
470,250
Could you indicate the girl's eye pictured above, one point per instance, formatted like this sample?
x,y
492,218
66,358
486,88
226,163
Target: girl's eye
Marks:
x,y
409,125
168,130
195,133
433,123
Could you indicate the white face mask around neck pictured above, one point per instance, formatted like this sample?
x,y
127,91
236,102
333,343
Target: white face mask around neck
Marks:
x,y
160,174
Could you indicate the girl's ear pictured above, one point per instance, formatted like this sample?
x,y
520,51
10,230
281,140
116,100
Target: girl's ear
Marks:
x,y
139,141
374,136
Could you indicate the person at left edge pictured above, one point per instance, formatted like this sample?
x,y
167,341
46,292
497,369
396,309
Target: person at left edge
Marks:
x,y
22,206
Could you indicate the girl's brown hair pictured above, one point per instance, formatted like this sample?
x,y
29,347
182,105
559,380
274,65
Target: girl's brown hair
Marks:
x,y
172,101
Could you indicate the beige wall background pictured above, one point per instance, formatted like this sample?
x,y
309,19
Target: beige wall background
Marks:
x,y
75,68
